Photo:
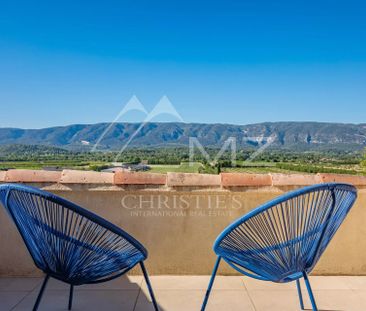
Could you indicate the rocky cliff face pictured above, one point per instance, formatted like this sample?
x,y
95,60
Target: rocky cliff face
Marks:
x,y
292,135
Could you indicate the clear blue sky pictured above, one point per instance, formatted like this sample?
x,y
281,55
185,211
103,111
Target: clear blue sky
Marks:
x,y
64,62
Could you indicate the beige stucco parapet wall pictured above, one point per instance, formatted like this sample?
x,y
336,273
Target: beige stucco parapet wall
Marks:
x,y
177,216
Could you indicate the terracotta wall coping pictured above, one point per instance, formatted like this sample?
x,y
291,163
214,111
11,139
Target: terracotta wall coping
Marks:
x,y
29,176
224,180
137,178
295,179
348,179
192,179
245,179
85,177
2,176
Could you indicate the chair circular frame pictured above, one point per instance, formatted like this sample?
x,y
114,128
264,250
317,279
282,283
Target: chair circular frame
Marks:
x,y
64,238
284,237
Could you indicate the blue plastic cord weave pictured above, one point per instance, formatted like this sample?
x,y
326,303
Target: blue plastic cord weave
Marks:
x,y
284,237
68,242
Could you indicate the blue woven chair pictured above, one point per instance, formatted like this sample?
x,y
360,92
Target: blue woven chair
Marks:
x,y
70,243
282,240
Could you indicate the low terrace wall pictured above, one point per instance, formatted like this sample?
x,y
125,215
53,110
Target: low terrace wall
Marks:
x,y
178,216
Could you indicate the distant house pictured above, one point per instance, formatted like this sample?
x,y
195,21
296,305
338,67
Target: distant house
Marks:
x,y
112,170
52,168
128,166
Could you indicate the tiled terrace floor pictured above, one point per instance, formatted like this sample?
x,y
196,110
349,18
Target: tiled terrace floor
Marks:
x,y
185,293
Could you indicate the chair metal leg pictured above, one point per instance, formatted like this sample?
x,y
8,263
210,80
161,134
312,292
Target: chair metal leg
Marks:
x,y
35,308
149,286
312,299
300,294
71,296
211,283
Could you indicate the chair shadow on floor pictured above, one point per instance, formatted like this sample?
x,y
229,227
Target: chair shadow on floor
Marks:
x,y
128,293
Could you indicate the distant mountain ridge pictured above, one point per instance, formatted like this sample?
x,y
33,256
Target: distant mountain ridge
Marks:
x,y
289,135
